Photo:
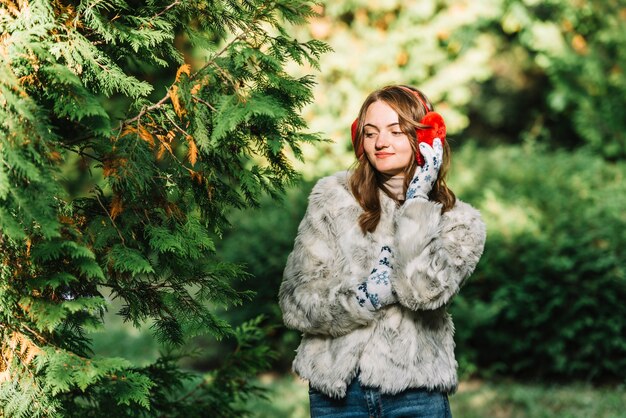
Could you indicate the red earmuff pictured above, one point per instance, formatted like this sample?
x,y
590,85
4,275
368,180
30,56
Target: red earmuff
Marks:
x,y
353,128
434,121
437,129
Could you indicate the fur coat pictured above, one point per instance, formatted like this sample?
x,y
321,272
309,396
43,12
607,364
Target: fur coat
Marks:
x,y
405,345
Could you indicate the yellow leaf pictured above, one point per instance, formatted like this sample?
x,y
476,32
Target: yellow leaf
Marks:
x,y
160,152
13,8
196,176
192,151
33,351
402,58
21,345
116,206
27,80
24,343
162,148
111,165
146,136
173,93
196,88
128,129
184,69
13,341
55,156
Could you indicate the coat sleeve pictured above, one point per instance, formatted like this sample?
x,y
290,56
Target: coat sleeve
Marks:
x,y
316,295
435,252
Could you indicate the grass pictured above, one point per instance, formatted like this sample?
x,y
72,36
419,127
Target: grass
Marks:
x,y
288,398
477,399
288,395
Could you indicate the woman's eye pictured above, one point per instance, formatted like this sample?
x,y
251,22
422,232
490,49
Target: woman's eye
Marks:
x,y
370,134
397,133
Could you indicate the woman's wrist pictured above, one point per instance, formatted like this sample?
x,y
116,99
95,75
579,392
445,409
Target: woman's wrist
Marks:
x,y
377,291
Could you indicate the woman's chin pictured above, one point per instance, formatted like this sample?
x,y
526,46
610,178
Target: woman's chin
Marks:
x,y
389,169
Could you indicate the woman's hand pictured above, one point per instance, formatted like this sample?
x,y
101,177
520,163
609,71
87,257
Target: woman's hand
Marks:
x,y
426,175
376,291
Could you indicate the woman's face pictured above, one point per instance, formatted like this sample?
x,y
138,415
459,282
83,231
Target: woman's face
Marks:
x,y
387,148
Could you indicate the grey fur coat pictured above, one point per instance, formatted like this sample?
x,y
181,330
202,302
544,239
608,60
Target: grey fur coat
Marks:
x,y
404,345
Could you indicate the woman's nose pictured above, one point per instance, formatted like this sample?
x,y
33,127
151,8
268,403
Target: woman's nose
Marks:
x,y
382,141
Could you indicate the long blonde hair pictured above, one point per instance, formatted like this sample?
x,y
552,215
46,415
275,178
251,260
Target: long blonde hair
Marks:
x,y
366,181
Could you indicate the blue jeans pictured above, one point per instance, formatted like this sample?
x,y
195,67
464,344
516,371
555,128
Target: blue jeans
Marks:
x,y
364,402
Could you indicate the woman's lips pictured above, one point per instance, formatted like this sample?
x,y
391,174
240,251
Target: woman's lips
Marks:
x,y
383,154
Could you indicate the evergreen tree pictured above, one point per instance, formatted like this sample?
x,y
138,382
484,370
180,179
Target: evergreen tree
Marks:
x,y
129,129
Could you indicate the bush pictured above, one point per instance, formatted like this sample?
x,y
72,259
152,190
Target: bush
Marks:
x,y
547,298
262,239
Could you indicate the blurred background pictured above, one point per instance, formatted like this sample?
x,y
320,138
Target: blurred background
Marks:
x,y
534,96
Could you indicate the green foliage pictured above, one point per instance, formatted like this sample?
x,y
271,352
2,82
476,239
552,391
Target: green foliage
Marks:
x,y
562,62
128,132
262,239
546,300
163,388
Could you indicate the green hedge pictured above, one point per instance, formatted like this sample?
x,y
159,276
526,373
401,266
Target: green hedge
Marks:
x,y
261,239
548,297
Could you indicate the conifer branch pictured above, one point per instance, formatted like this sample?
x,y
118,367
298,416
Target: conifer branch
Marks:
x,y
165,98
226,76
119,233
78,140
193,76
191,393
204,102
40,337
176,125
219,53
145,110
81,152
162,12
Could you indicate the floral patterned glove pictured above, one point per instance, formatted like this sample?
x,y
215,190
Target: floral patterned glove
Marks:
x,y
426,175
376,291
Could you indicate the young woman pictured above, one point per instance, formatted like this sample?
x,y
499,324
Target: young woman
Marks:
x,y
380,252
